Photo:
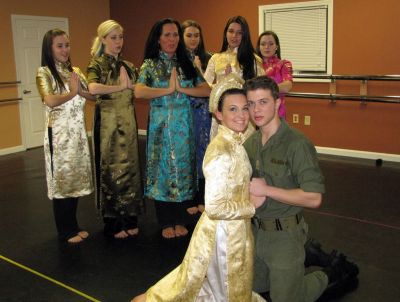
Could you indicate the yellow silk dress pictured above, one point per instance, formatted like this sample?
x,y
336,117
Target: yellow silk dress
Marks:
x,y
215,72
218,265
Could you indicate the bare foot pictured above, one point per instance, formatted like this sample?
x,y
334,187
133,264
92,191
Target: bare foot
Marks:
x,y
83,234
201,208
180,230
140,298
168,233
192,210
121,235
133,232
75,239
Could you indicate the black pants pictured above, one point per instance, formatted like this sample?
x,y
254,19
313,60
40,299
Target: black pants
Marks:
x,y
65,216
170,214
114,225
199,199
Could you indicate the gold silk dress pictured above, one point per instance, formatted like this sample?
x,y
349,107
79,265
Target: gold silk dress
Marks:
x,y
66,147
218,265
216,71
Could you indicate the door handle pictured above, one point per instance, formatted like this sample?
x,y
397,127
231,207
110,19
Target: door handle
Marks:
x,y
26,91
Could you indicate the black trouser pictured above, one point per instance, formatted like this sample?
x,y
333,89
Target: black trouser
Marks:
x,y
114,225
65,215
199,199
170,214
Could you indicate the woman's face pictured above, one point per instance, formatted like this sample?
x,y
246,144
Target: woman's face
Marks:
x,y
60,48
113,42
191,36
235,112
234,35
268,46
169,39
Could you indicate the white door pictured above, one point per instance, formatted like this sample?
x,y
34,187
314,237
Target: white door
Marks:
x,y
28,32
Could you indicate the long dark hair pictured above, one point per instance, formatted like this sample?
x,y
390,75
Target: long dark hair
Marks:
x,y
48,58
245,55
152,48
200,51
269,33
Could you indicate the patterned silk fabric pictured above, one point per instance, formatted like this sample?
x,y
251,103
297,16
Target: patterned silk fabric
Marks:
x,y
202,125
218,62
118,181
68,168
216,71
279,71
227,206
171,159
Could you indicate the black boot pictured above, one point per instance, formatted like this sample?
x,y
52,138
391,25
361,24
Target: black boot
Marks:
x,y
315,255
342,276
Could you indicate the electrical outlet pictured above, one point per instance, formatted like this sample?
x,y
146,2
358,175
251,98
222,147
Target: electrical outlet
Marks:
x,y
295,118
307,120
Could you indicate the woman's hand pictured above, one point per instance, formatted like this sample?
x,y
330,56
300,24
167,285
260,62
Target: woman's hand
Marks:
x,y
197,62
124,80
74,84
173,81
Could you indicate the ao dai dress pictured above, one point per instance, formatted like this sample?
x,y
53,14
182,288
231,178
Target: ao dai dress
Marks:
x,y
216,71
218,265
66,148
115,141
171,158
279,70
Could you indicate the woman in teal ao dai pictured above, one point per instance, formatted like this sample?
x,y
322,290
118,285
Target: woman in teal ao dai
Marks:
x,y
168,78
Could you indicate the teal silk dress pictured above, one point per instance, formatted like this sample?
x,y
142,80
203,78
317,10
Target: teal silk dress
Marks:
x,y
171,154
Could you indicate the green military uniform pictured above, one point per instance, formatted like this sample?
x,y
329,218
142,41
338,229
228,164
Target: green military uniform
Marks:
x,y
288,160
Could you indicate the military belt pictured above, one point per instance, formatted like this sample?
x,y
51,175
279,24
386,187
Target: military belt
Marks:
x,y
278,224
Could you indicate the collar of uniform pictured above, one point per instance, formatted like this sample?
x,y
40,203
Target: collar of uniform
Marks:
x,y
277,137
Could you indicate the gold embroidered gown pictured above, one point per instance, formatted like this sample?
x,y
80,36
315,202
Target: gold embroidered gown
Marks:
x,y
66,148
218,265
115,140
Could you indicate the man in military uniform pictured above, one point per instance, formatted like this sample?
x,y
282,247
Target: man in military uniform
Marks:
x,y
287,178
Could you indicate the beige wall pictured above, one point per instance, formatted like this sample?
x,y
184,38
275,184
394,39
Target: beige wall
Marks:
x,y
365,41
83,17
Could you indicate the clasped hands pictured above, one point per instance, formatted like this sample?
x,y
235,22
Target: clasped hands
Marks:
x,y
257,191
174,84
75,86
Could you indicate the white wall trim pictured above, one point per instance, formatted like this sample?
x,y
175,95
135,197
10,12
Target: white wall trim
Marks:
x,y
359,154
15,149
142,132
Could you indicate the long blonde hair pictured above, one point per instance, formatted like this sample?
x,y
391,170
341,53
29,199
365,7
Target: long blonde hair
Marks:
x,y
102,31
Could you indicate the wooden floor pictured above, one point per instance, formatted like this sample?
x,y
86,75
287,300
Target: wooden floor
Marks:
x,y
360,216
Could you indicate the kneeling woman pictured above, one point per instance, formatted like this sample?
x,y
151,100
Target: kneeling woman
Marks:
x,y
218,265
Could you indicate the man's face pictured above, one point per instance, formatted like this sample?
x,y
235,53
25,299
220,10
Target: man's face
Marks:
x,y
263,107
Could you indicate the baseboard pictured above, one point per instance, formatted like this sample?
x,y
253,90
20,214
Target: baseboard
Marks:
x,y
142,132
359,154
15,149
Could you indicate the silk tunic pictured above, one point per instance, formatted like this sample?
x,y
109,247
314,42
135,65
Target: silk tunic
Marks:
x,y
66,147
279,70
115,140
171,159
218,265
216,71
